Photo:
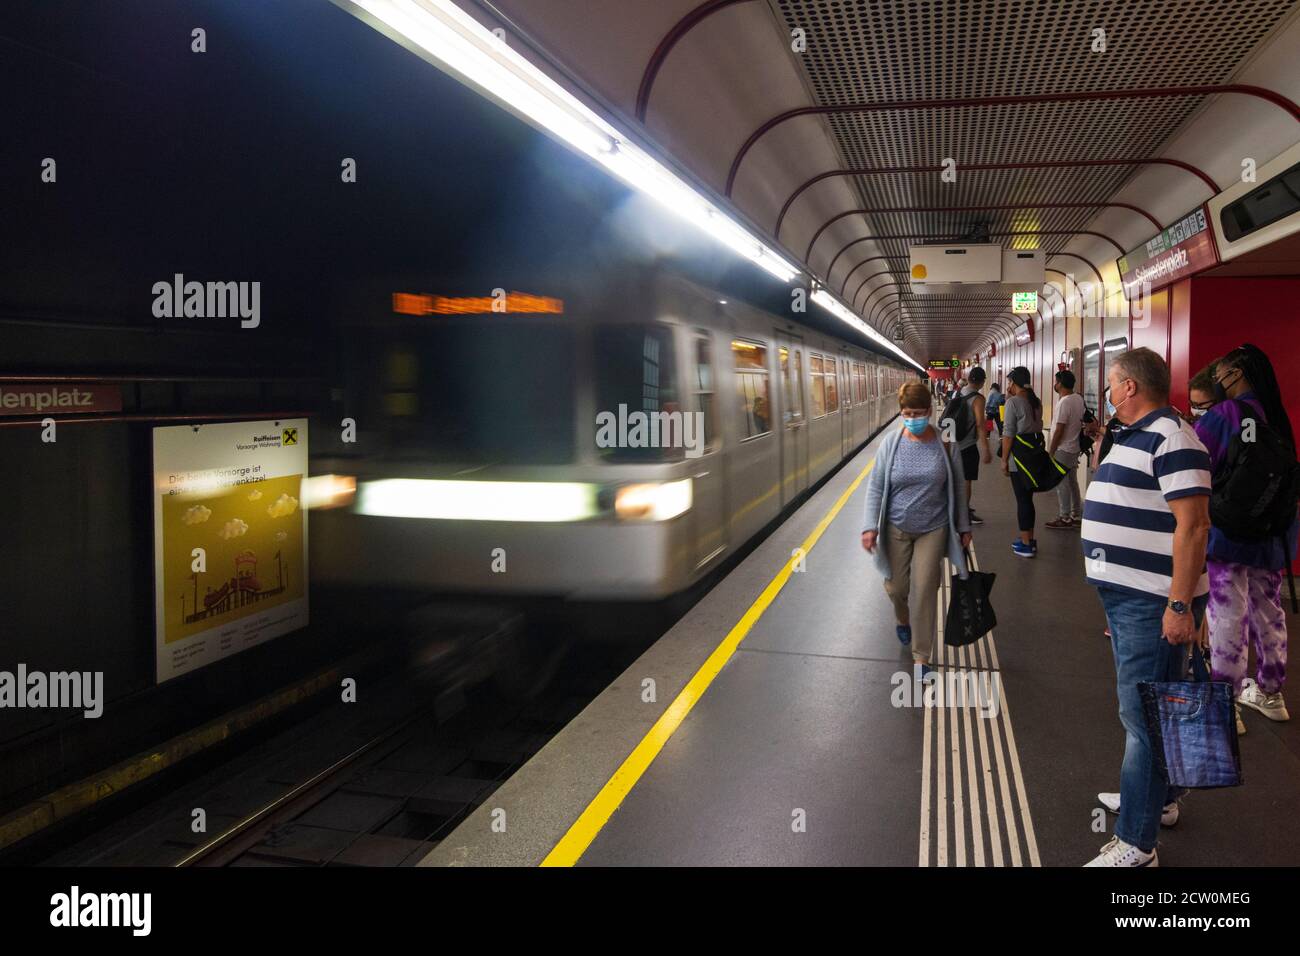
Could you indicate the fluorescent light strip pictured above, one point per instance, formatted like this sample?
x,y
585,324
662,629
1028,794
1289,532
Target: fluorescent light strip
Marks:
x,y
842,312
467,48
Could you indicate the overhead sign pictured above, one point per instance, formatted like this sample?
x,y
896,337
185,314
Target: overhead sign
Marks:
x,y
1184,248
59,398
1024,303
408,304
945,363
230,539
1025,334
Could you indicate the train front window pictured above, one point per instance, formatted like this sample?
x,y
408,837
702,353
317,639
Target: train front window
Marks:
x,y
639,413
474,392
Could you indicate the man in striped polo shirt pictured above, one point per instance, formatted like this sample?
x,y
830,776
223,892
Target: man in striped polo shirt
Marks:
x,y
1146,521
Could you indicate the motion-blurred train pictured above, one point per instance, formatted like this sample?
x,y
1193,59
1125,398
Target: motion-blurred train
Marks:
x,y
498,452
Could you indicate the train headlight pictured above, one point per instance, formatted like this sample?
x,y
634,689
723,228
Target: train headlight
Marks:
x,y
656,501
328,491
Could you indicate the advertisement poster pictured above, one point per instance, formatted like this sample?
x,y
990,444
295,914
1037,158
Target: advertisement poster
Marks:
x,y
230,539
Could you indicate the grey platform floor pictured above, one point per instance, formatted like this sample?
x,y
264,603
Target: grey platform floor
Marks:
x,y
804,751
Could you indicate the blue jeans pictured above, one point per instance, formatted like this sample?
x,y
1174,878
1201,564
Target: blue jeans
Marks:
x,y
1141,654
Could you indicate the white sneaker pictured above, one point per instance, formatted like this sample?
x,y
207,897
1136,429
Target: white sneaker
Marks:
x,y
1119,853
1241,724
1168,815
1271,706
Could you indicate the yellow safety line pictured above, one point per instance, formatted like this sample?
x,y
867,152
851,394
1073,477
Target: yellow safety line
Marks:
x,y
574,843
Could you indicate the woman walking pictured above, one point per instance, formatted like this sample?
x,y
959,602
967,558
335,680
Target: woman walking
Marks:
x,y
915,516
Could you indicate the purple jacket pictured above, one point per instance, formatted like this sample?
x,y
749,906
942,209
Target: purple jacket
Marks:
x,y
1215,430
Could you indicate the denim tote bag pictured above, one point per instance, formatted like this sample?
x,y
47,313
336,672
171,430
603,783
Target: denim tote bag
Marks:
x,y
1193,729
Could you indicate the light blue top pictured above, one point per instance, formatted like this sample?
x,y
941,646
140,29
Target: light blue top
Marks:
x,y
918,503
880,490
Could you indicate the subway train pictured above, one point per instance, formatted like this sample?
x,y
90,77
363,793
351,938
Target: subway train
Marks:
x,y
609,445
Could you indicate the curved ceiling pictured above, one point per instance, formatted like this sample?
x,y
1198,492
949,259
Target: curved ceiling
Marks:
x,y
1075,128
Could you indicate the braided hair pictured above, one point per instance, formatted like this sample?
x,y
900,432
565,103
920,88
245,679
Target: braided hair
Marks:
x,y
1258,370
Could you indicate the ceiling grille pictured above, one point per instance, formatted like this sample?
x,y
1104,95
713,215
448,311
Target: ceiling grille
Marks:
x,y
865,51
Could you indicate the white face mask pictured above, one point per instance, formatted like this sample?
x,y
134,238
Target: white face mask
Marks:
x,y
1198,412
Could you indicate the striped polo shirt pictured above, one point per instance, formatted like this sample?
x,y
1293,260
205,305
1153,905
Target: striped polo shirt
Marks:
x,y
1128,527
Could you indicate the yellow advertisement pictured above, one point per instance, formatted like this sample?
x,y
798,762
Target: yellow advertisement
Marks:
x,y
251,539
230,537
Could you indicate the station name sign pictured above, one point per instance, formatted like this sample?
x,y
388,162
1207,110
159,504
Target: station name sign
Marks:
x,y
59,398
406,303
1184,248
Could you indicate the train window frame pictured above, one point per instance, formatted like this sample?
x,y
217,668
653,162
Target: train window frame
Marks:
x,y
791,381
740,372
832,382
818,379
712,436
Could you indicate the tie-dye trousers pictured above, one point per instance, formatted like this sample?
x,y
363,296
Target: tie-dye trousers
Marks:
x,y
1246,606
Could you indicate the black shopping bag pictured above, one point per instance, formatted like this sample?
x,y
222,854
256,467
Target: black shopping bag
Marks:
x,y
970,615
1193,729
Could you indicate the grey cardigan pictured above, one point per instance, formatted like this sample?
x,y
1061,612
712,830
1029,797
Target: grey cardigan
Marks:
x,y
877,508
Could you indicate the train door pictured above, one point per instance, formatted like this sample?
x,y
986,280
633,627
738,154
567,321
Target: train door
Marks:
x,y
794,419
846,406
708,485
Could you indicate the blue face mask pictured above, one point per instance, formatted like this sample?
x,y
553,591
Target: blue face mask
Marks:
x,y
916,425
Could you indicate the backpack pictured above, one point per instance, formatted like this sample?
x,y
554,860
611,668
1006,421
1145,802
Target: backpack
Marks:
x,y
1085,441
958,411
1254,494
1040,470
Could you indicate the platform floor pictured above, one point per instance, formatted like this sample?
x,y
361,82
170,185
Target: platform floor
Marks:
x,y
774,737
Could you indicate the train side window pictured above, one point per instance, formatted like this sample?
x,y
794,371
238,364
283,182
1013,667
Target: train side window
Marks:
x,y
832,395
792,386
704,390
753,388
859,383
818,385
635,369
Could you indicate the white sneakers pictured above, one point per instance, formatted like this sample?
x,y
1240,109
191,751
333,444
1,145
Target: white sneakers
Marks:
x,y
1119,853
1236,712
1168,816
1271,706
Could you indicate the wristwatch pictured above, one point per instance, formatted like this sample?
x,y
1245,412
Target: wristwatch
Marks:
x,y
1178,607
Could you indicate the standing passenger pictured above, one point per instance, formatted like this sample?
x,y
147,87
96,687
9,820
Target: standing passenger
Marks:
x,y
1024,416
1200,392
1246,576
915,517
973,444
1146,519
1065,449
994,406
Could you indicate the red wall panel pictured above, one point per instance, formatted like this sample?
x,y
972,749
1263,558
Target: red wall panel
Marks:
x,y
1181,368
1229,311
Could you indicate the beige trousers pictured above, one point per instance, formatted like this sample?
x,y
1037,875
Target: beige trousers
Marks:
x,y
915,562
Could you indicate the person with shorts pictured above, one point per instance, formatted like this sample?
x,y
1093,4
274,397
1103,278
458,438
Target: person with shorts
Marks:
x,y
973,444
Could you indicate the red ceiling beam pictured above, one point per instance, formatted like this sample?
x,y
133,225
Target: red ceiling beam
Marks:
x,y
993,207
682,27
1020,99
853,303
1041,164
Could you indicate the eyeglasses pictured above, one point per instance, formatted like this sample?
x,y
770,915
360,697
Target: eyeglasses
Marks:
x,y
1203,405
